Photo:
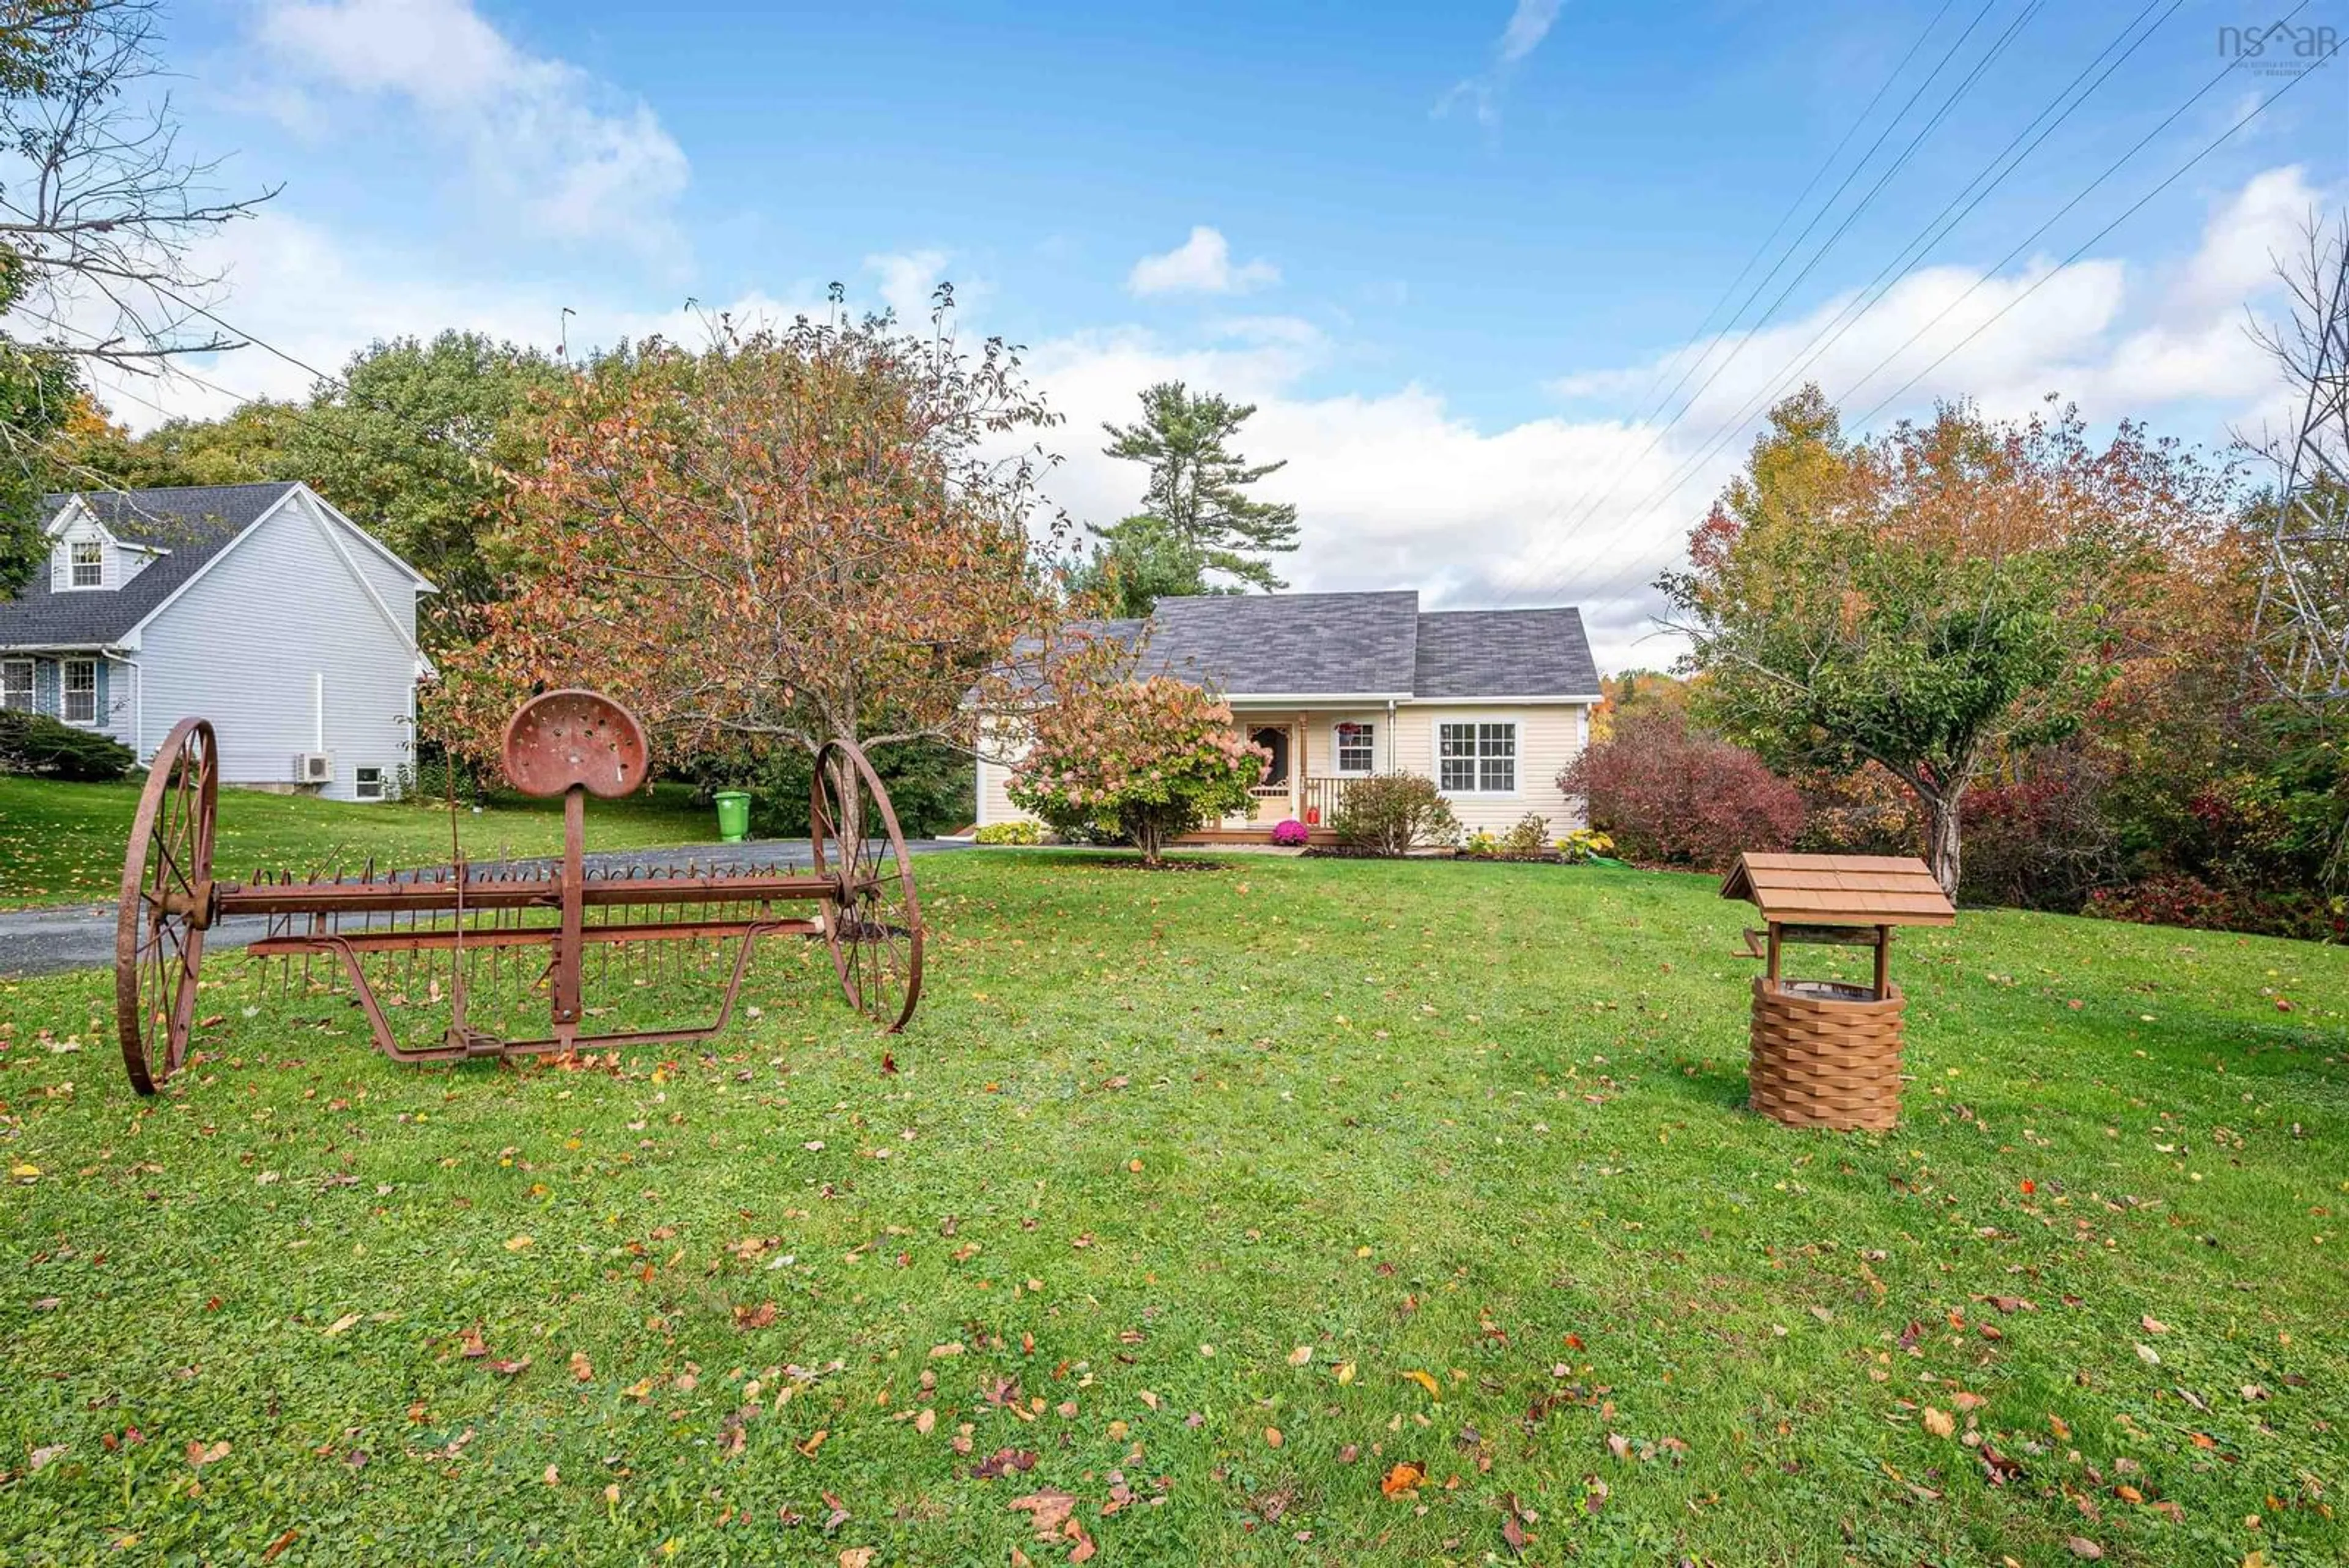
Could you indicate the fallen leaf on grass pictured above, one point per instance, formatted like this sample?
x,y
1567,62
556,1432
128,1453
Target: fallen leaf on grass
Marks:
x,y
750,1317
341,1324
1514,1533
1048,1510
2083,1547
41,1457
1407,1476
1003,1461
1301,1356
925,1421
514,1368
815,1441
1426,1380
200,1455
857,1557
280,1544
1272,1438
516,1243
1941,1423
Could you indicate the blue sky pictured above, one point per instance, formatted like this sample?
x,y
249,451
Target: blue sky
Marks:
x,y
1446,248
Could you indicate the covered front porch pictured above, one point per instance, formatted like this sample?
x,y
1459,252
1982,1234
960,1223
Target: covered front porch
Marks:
x,y
1305,782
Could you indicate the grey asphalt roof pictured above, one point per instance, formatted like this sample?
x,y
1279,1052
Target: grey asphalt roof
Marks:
x,y
1328,644
1290,644
193,523
1504,653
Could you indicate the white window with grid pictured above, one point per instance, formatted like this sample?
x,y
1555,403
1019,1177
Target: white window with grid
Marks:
x,y
17,684
87,563
80,692
1477,757
368,783
1354,748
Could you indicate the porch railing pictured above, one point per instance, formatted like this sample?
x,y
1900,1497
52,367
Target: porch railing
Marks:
x,y
1322,797
1312,801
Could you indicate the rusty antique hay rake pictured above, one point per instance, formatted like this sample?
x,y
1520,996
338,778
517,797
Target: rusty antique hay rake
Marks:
x,y
472,923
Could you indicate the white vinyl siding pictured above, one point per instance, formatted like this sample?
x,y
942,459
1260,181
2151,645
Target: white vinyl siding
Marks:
x,y
281,646
78,704
17,684
994,802
1549,737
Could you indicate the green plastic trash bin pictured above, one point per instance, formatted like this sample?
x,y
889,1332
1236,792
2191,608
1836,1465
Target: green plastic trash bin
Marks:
x,y
733,816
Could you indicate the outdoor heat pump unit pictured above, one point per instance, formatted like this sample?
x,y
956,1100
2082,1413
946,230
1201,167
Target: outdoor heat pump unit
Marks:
x,y
314,767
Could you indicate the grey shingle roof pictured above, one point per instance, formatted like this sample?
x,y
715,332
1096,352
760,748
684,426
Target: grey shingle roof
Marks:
x,y
193,523
1504,653
1299,645
1290,644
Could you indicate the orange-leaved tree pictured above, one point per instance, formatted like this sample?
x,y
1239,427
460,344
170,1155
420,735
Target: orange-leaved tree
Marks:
x,y
831,529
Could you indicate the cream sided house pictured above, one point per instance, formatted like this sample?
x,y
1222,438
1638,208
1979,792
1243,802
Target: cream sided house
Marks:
x,y
258,606
1491,704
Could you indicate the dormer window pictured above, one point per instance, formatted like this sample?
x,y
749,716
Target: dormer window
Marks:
x,y
87,563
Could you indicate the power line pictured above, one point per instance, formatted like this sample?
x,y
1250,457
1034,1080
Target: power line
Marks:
x,y
1886,277
2221,140
1687,469
1793,207
1998,45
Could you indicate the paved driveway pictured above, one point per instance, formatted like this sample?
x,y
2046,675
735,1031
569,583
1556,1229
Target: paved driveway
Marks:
x,y
81,936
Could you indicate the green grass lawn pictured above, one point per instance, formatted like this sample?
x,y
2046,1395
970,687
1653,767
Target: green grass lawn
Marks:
x,y
63,843
1200,1202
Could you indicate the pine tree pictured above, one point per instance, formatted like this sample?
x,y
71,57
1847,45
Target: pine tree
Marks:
x,y
1194,518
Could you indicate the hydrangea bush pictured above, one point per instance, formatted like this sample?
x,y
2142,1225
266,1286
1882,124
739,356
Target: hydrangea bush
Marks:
x,y
1148,759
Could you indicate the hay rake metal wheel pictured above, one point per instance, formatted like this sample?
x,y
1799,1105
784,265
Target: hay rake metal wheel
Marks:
x,y
874,923
166,905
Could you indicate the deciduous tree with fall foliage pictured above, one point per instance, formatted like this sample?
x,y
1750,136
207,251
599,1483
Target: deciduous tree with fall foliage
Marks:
x,y
794,535
1945,593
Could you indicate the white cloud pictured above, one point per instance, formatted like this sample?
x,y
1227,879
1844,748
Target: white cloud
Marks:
x,y
1529,25
906,282
542,139
1200,265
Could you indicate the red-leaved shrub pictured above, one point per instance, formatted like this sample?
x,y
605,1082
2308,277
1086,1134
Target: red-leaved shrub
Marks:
x,y
2177,899
1679,795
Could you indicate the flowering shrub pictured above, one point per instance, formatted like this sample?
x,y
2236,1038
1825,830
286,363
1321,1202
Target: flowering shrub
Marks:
x,y
1480,845
1021,832
1585,844
1394,813
1147,759
1528,840
1292,834
1680,795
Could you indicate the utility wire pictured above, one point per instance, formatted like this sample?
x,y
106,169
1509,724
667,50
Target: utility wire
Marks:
x,y
1998,45
1886,277
1621,579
